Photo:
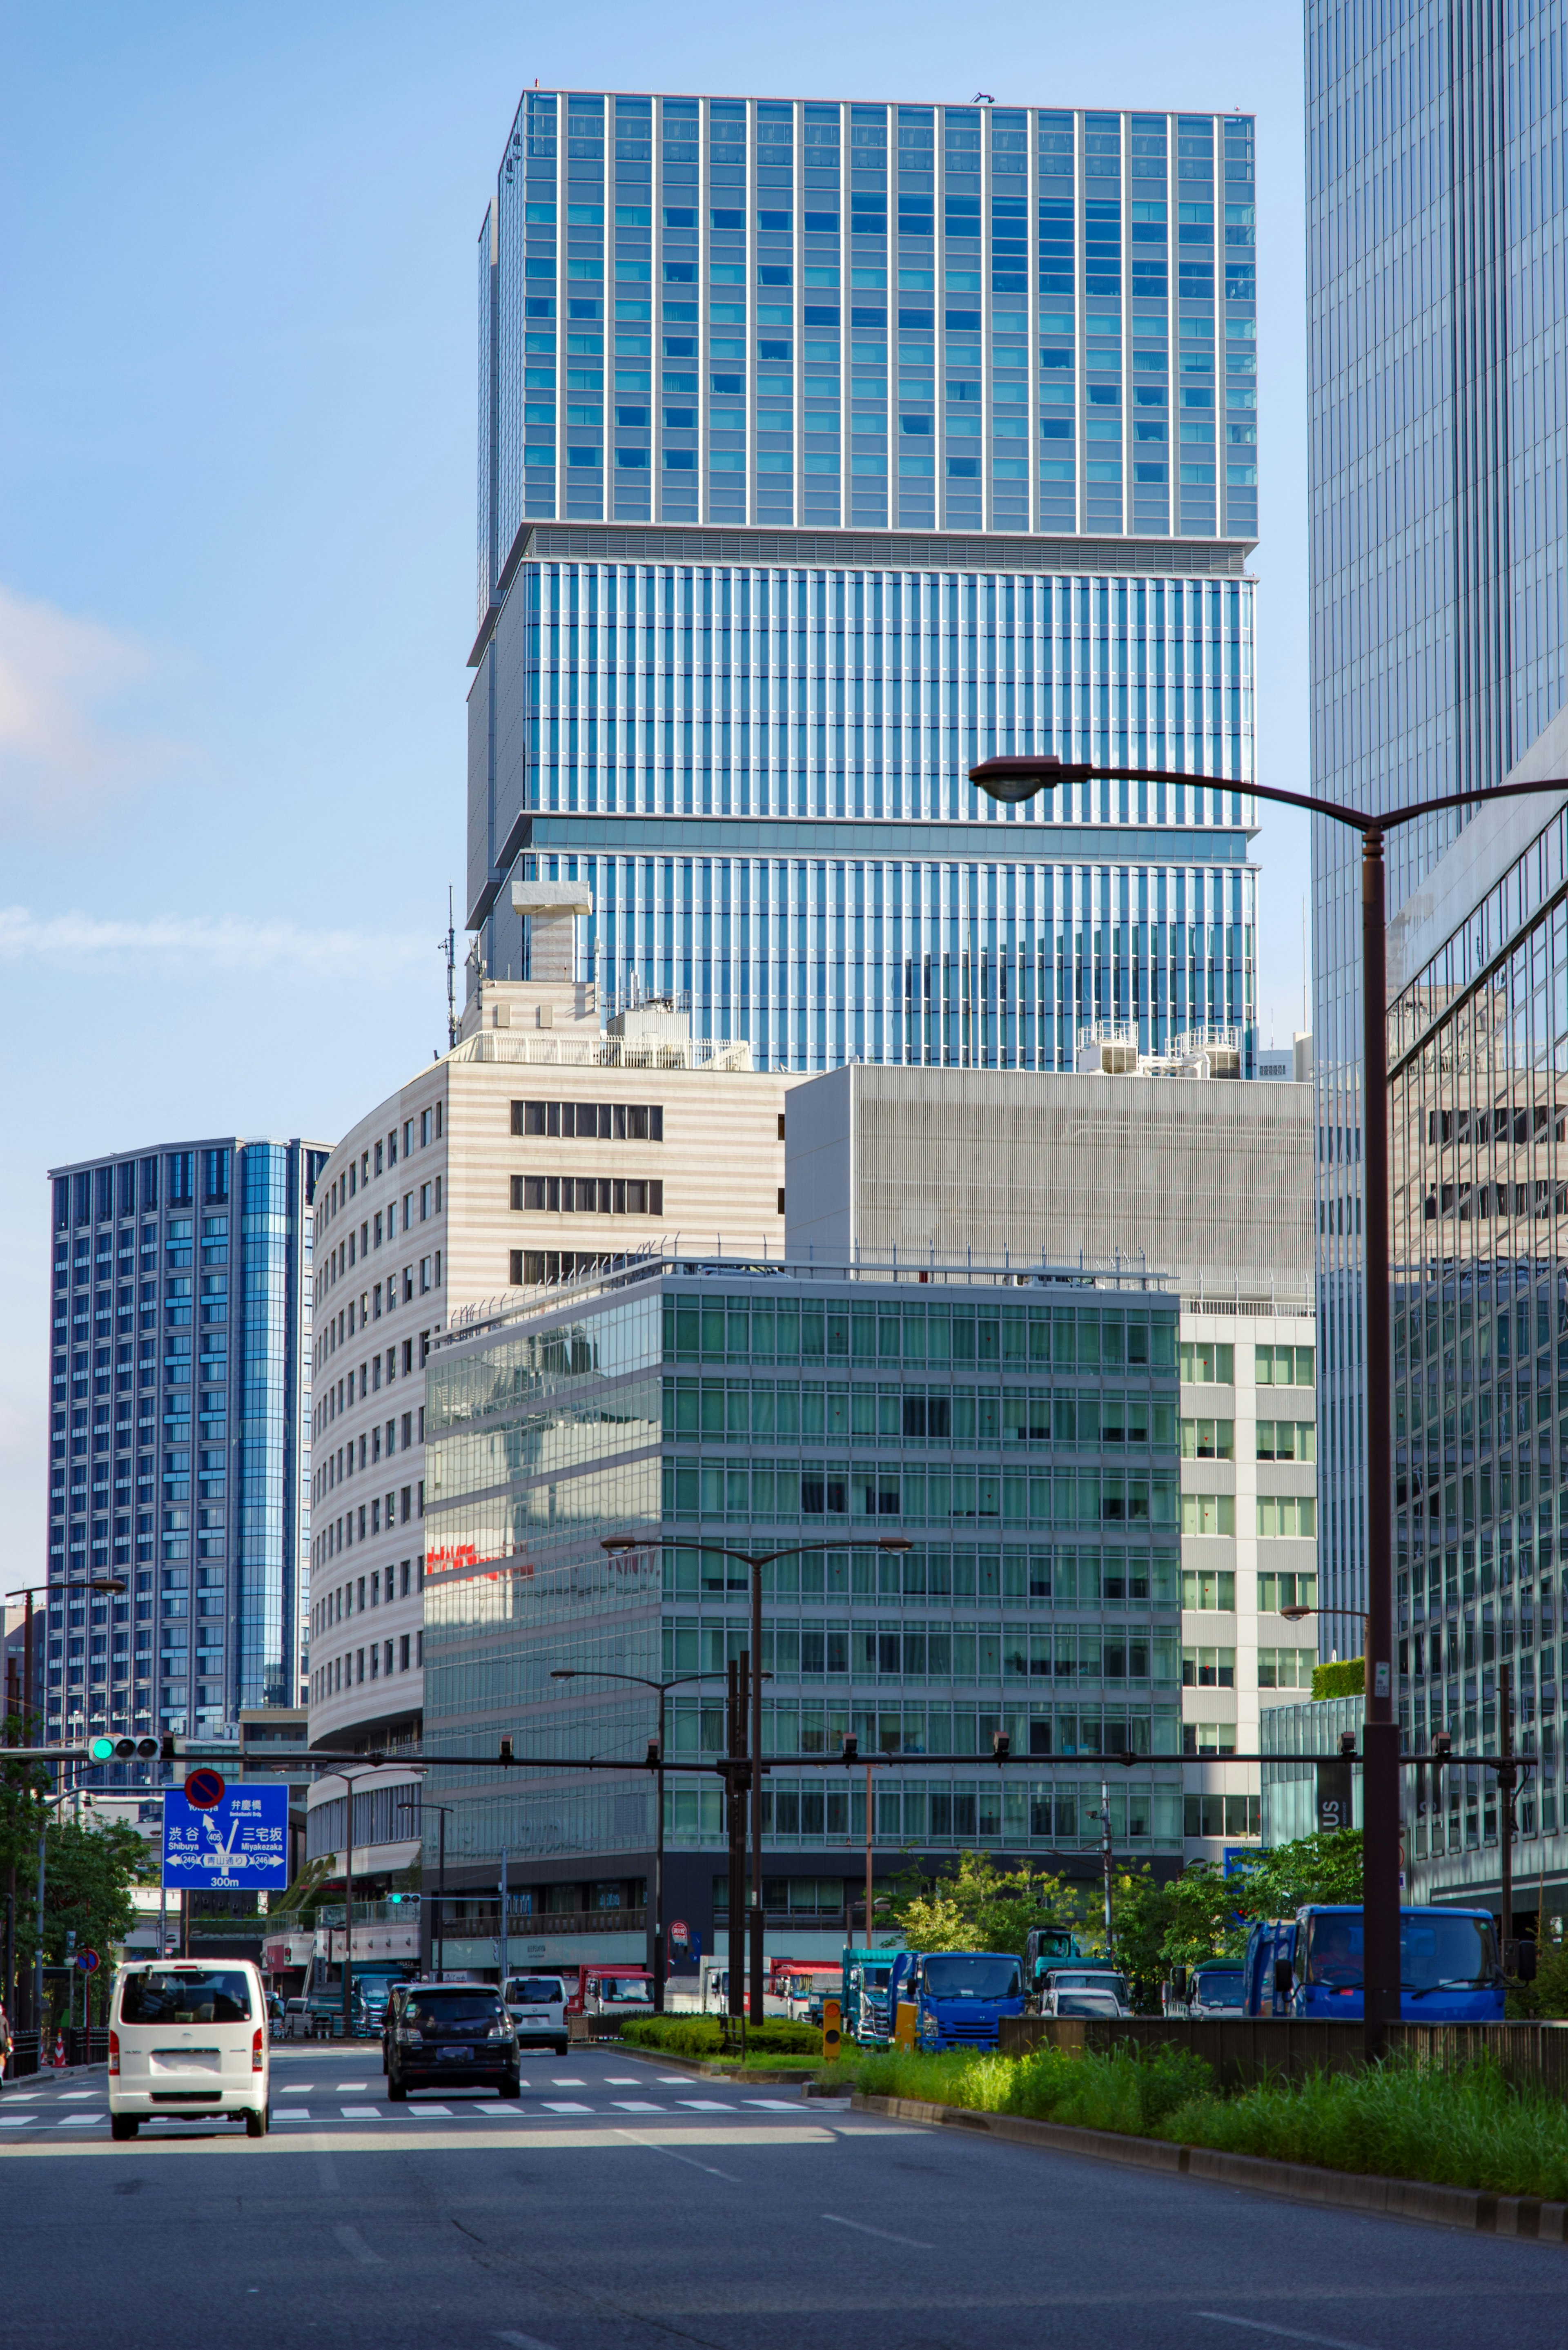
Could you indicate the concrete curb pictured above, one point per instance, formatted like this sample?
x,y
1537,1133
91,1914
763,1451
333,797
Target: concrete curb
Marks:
x,y
30,2083
1395,2199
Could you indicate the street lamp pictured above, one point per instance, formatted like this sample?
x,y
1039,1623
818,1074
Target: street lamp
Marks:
x,y
617,1546
349,1777
421,1807
1016,778
573,1673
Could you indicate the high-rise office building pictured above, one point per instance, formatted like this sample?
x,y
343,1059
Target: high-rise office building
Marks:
x,y
824,449
1438,507
180,1435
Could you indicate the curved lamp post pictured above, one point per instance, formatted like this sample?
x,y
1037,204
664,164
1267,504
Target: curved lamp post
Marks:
x,y
1016,778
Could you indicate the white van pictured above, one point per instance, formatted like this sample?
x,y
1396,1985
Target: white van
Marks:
x,y
188,2040
537,2006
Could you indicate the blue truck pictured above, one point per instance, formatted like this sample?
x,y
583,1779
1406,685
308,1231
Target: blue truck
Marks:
x,y
959,1997
1311,1965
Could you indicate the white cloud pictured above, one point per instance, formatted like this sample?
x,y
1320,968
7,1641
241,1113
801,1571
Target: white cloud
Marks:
x,y
65,742
230,944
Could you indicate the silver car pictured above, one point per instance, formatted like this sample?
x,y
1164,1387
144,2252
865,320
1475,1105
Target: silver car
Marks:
x,y
1085,1991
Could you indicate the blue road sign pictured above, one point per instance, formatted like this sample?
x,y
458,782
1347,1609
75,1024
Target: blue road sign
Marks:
x,y
241,1845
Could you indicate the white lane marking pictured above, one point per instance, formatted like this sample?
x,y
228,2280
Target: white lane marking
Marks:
x,y
1286,2333
67,2093
16,2121
552,2106
673,2080
493,2109
862,2230
526,2342
636,2105
652,2147
360,2113
569,2082
434,2113
353,2088
79,2121
354,2244
290,2114
705,2104
620,2081
776,2105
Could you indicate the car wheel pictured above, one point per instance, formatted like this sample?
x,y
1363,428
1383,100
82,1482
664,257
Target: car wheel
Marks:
x,y
123,2124
257,2124
562,2047
397,2090
512,2087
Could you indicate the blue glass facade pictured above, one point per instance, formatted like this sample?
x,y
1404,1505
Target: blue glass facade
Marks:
x,y
1436,276
179,1434
769,311
1027,1445
824,451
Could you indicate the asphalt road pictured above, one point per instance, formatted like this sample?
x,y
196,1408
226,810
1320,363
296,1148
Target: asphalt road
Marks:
x,y
620,2209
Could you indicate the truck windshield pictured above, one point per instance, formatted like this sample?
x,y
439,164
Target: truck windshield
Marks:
x,y
1437,1951
973,1977
1225,1989
635,1988
186,1995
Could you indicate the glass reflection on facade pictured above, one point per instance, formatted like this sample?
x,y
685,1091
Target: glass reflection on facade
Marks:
x,y
1026,1444
1434,252
179,1435
1478,1049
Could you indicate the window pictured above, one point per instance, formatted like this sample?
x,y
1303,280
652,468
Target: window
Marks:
x,y
586,1195
1208,1439
1287,1440
1209,1514
1223,1816
1204,1362
1284,1366
1209,1588
1285,1669
1277,1591
1209,1738
1287,1513
1207,1667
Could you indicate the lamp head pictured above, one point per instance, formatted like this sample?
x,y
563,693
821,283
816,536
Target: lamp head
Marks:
x,y
1013,779
897,1543
617,1544
563,1672
1297,1615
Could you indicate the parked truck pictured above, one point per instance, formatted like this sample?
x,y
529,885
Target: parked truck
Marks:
x,y
1311,1965
1046,1947
959,1997
866,2016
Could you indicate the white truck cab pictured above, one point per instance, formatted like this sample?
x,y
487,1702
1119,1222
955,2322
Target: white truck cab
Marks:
x,y
188,2040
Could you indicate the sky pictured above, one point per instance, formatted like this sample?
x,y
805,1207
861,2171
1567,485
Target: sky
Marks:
x,y
237,468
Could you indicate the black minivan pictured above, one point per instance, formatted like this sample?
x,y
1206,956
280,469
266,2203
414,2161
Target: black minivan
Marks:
x,y
445,2034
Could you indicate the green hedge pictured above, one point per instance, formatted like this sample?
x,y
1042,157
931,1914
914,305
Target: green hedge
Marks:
x,y
1348,1679
703,2036
1464,2127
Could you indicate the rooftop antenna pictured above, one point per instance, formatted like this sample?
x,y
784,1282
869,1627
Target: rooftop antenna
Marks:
x,y
449,947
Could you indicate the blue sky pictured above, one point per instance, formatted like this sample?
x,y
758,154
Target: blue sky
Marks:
x,y
236,522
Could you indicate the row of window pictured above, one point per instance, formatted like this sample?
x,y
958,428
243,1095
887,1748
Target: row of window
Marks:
x,y
418,1207
350,1598
967,1417
1206,1362
599,1121
1207,1588
1275,1439
1291,1514
588,1195
417,1281
1066,1338
790,1489
402,1507
1287,1669
349,1670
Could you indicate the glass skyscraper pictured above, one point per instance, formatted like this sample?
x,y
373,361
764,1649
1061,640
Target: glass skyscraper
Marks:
x,y
180,1435
1438,508
824,449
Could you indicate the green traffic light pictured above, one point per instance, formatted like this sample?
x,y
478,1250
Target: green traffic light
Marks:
x,y
101,1749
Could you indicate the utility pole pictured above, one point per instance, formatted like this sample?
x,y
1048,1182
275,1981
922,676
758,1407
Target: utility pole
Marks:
x,y
503,1938
869,1823
1507,1778
1106,1866
449,949
735,1797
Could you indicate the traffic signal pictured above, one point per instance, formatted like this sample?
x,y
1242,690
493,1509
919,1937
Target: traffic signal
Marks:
x,y
139,1750
1002,1745
100,1750
506,1749
171,1746
653,1753
851,1746
1442,1745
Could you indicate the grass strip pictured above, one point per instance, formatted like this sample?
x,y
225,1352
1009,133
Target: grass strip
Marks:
x,y
1464,2127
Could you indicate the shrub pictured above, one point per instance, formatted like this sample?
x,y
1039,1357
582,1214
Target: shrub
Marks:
x,y
1345,1678
701,2036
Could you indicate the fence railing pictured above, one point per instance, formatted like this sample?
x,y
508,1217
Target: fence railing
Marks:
x,y
1246,2049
